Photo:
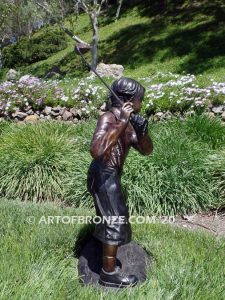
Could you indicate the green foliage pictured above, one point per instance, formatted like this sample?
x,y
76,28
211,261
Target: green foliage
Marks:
x,y
35,161
216,165
185,37
173,178
38,47
211,131
49,162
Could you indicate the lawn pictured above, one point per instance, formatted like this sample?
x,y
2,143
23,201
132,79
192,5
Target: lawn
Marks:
x,y
38,260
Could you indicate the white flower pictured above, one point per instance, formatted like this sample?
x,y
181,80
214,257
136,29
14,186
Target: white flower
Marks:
x,y
64,98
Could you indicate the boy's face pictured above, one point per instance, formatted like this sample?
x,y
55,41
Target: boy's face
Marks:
x,y
137,104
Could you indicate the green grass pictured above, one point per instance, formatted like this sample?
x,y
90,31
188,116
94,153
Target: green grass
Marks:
x,y
185,38
37,260
174,177
49,161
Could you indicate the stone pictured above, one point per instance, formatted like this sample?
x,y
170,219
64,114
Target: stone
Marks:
x,y
223,116
19,114
62,110
167,115
211,114
158,116
47,110
113,70
31,119
210,105
48,117
218,110
75,120
29,80
104,107
67,115
190,113
59,118
11,75
17,120
56,109
54,114
30,112
76,112
27,108
132,259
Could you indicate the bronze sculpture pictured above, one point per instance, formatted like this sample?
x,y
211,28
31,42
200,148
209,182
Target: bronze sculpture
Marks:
x,y
117,130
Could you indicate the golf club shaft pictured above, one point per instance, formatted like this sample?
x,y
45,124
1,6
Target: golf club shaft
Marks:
x,y
94,71
105,83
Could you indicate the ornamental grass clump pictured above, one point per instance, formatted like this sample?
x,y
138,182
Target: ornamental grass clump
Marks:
x,y
35,161
173,179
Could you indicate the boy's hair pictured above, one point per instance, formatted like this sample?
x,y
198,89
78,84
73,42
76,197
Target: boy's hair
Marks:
x,y
126,89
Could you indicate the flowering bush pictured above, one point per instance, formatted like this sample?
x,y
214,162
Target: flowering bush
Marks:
x,y
29,91
88,96
179,93
176,93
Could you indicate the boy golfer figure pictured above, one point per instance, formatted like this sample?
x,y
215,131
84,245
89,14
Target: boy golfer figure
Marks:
x,y
116,131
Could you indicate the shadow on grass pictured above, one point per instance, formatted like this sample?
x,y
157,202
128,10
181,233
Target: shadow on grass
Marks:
x,y
193,35
83,237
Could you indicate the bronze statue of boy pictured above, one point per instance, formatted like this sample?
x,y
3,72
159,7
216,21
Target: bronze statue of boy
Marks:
x,y
117,130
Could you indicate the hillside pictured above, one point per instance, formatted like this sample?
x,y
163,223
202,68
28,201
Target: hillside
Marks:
x,y
185,38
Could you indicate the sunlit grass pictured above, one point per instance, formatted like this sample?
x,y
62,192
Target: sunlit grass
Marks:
x,y
49,161
37,259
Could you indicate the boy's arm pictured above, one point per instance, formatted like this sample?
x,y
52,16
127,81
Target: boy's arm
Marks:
x,y
144,145
106,134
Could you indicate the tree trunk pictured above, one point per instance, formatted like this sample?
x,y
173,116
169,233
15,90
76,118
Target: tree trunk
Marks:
x,y
94,49
118,9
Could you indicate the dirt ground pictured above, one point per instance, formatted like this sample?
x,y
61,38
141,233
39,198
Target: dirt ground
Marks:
x,y
213,222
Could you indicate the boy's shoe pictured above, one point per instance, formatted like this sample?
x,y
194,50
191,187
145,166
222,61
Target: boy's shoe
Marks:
x,y
117,278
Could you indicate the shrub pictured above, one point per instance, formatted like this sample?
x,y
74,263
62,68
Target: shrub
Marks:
x,y
35,161
49,162
38,47
216,165
173,179
175,92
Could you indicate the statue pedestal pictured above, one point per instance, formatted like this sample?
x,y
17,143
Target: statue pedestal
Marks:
x,y
130,257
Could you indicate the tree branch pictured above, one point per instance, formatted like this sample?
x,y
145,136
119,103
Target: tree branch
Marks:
x,y
73,36
44,7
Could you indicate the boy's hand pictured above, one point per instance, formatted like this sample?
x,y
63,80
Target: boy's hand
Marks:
x,y
126,110
140,124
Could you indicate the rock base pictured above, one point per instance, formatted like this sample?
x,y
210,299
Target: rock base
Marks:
x,y
130,257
